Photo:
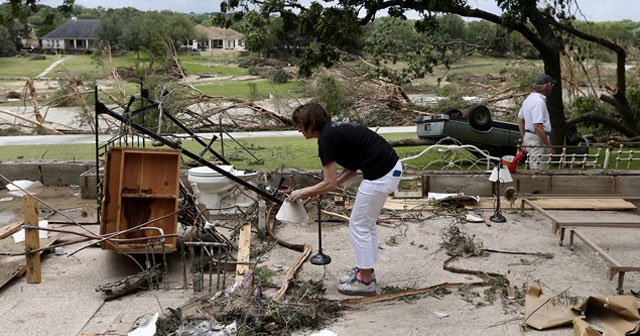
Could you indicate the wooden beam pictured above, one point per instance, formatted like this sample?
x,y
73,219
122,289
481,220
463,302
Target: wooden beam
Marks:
x,y
244,251
10,229
32,240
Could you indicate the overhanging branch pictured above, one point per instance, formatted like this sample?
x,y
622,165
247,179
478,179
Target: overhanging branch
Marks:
x,y
609,122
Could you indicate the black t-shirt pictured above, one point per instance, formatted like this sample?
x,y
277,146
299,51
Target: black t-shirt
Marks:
x,y
356,147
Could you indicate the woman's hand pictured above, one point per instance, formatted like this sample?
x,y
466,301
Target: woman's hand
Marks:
x,y
296,196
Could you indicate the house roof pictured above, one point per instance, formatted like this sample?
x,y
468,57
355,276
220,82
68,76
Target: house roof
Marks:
x,y
79,29
215,33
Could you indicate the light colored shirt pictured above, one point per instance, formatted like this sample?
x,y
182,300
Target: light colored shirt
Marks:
x,y
534,111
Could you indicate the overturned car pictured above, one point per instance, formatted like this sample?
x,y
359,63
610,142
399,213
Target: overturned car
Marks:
x,y
477,128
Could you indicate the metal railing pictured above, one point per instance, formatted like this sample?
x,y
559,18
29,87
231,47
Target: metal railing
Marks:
x,y
451,154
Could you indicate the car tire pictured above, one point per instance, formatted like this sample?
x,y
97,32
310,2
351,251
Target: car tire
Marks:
x,y
572,135
480,118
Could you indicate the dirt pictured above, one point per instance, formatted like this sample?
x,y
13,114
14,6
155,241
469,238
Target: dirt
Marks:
x,y
411,257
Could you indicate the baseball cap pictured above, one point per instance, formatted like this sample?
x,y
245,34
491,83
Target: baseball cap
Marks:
x,y
545,79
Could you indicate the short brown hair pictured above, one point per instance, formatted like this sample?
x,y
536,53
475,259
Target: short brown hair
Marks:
x,y
311,117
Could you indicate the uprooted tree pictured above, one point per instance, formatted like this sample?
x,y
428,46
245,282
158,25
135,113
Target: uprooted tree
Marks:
x,y
546,24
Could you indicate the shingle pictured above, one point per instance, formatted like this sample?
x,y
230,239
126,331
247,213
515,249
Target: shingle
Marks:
x,y
78,29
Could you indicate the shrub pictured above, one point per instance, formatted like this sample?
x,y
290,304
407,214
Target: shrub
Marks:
x,y
37,57
278,76
447,90
331,94
582,105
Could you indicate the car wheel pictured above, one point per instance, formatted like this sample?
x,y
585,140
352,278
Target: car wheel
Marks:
x,y
572,135
480,117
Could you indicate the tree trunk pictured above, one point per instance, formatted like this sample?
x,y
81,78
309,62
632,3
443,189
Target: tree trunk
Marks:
x,y
552,68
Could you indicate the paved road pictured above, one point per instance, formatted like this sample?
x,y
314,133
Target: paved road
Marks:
x,y
90,138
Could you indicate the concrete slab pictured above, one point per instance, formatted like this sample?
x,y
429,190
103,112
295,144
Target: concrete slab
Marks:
x,y
120,316
34,315
410,256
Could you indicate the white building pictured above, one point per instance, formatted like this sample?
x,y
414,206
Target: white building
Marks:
x,y
217,39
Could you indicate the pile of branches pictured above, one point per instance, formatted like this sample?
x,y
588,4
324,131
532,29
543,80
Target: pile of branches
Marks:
x,y
252,313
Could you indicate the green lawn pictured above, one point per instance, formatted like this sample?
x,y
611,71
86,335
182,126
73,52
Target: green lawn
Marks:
x,y
276,152
273,152
23,67
84,65
207,69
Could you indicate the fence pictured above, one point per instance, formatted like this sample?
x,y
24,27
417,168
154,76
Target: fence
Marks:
x,y
451,154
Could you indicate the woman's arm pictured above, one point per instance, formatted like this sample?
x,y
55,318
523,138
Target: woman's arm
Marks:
x,y
345,175
329,183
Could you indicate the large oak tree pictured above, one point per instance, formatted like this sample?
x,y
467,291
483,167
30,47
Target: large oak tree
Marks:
x,y
545,24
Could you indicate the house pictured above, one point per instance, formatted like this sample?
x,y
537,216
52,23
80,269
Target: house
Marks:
x,y
217,39
77,35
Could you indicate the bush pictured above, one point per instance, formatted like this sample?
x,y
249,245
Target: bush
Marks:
x,y
447,90
278,76
255,71
331,94
583,105
260,62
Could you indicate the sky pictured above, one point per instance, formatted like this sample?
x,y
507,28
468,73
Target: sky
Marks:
x,y
593,10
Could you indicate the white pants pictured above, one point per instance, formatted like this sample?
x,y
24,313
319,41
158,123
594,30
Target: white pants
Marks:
x,y
536,151
362,225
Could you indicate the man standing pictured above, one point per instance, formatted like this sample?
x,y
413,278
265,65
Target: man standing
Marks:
x,y
534,123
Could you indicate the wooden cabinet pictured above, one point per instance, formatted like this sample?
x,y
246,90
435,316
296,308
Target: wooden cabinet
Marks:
x,y
140,185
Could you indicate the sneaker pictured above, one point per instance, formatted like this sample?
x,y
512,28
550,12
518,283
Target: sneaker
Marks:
x,y
352,275
357,287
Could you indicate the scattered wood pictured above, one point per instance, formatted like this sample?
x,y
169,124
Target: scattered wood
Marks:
x,y
32,240
304,248
34,122
291,273
584,204
244,250
10,229
410,292
14,266
131,283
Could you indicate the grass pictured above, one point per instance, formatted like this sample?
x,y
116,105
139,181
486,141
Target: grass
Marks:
x,y
205,69
242,89
23,67
276,152
84,65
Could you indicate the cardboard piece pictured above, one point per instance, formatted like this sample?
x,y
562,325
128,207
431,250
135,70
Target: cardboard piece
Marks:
x,y
542,314
616,315
582,328
596,316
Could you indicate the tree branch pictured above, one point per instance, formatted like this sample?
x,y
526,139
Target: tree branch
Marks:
x,y
621,54
609,122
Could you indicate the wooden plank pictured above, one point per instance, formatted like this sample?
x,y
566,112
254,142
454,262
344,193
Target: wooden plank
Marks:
x,y
417,204
32,240
244,250
10,229
584,204
421,204
15,266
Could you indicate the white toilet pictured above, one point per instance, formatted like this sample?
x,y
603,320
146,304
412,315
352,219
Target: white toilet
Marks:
x,y
218,193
